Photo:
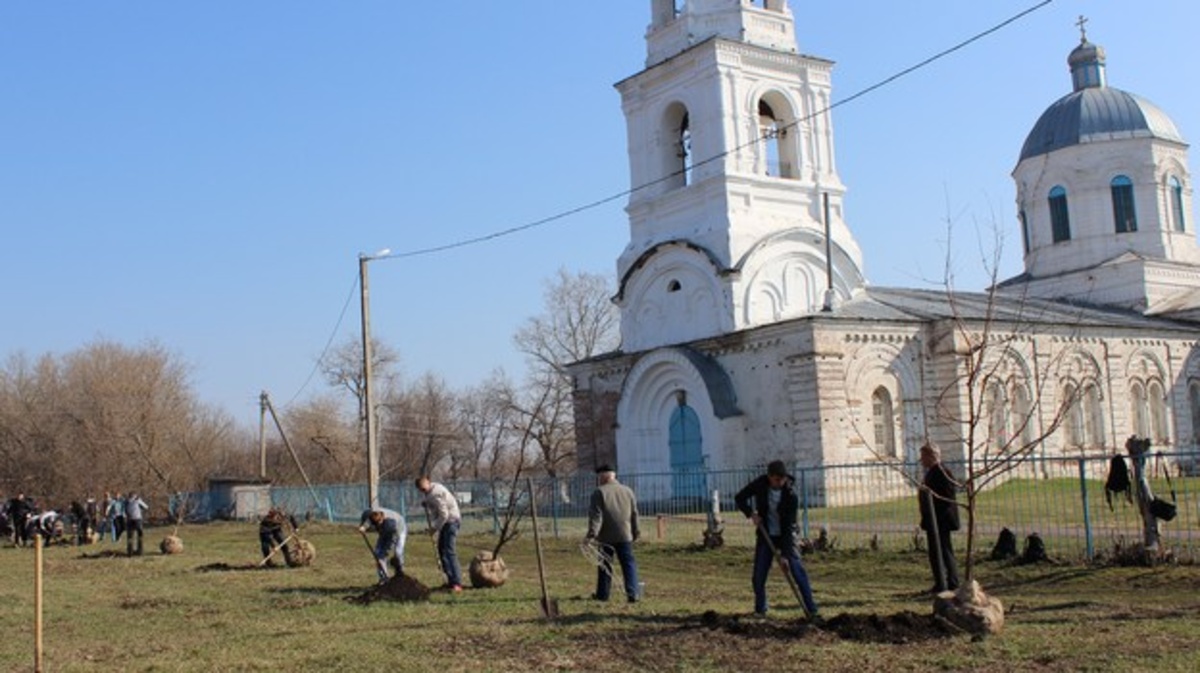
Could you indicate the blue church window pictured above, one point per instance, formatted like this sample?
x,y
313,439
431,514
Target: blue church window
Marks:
x,y
1123,211
1177,204
1060,221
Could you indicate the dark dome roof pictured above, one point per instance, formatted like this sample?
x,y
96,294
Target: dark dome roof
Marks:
x,y
1097,114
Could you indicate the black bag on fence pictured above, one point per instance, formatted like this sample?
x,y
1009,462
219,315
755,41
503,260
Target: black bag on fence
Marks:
x,y
1118,481
1161,509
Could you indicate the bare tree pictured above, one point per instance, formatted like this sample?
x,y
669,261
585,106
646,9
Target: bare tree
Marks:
x,y
420,428
343,369
578,321
484,414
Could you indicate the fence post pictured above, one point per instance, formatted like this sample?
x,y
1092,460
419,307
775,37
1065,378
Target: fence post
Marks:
x,y
1087,518
803,504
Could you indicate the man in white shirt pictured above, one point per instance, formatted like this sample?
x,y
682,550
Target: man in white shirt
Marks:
x,y
442,509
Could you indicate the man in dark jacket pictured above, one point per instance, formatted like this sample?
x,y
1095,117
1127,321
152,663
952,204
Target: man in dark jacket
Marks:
x,y
939,517
771,503
19,509
271,537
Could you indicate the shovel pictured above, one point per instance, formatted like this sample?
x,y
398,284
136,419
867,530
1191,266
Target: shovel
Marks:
x,y
549,605
380,565
787,571
275,549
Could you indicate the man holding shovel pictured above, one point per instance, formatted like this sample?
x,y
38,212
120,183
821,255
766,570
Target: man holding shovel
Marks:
x,y
271,538
771,504
393,533
445,519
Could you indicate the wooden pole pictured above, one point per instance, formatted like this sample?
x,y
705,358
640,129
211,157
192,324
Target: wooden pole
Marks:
x,y
549,607
37,603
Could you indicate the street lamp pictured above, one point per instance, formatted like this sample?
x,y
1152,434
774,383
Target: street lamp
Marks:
x,y
372,446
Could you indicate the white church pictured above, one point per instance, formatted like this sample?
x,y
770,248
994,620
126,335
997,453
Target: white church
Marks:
x,y
749,332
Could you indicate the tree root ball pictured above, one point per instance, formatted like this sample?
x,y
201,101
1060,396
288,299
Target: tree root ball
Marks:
x,y
971,610
487,572
171,544
303,553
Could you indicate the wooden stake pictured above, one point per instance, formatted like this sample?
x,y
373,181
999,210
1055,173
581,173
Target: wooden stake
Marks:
x,y
549,606
37,603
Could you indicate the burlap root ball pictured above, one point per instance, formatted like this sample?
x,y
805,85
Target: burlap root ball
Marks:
x,y
303,553
970,609
487,572
171,544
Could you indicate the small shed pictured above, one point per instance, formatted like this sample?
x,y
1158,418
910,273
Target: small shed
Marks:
x,y
239,497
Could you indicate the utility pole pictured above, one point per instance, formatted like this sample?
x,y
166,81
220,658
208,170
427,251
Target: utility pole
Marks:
x,y
368,401
262,435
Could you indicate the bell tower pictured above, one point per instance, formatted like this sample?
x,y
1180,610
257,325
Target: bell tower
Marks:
x,y
732,158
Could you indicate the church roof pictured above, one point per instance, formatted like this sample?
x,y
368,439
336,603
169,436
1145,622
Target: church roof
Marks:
x,y
900,304
1096,114
1095,111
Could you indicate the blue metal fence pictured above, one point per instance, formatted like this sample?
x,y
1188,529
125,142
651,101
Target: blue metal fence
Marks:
x,y
869,504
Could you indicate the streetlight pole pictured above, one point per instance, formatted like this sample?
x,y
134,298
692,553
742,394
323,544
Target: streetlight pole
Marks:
x,y
368,404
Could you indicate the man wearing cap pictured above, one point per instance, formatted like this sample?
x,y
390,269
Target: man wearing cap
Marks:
x,y
613,522
771,504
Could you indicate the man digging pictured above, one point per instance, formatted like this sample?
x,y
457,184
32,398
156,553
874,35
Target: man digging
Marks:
x,y
393,533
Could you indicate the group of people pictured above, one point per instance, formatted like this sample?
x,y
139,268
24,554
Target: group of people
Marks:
x,y
769,501
442,516
87,520
772,504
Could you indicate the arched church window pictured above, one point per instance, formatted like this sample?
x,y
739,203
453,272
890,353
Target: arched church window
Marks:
x,y
997,409
1157,401
1093,409
1060,221
676,150
1194,406
1123,210
1137,410
1022,415
1176,189
1073,423
774,129
1025,242
883,419
683,150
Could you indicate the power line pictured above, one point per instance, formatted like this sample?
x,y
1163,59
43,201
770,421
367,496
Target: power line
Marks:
x,y
633,190
328,343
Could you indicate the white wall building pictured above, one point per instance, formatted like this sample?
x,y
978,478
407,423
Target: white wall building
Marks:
x,y
749,332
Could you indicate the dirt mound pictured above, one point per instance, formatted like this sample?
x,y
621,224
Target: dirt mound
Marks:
x,y
107,553
401,589
900,628
226,567
903,627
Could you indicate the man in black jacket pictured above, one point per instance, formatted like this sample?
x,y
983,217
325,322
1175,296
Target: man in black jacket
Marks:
x,y
772,504
939,517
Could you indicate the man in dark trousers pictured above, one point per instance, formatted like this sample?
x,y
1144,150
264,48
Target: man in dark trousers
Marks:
x,y
393,534
270,535
613,522
771,503
939,517
19,509
135,510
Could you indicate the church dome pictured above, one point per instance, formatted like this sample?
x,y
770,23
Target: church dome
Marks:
x,y
1095,111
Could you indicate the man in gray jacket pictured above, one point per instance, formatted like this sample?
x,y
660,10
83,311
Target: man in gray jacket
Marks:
x,y
135,508
613,522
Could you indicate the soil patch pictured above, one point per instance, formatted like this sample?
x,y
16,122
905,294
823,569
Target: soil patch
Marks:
x,y
401,589
107,553
899,628
226,567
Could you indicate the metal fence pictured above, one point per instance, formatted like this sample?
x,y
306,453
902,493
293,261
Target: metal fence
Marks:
x,y
873,505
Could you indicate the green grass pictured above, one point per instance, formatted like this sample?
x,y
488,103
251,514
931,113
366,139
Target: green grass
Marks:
x,y
158,613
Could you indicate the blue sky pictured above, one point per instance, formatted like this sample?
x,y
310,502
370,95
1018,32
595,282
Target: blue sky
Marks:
x,y
205,174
